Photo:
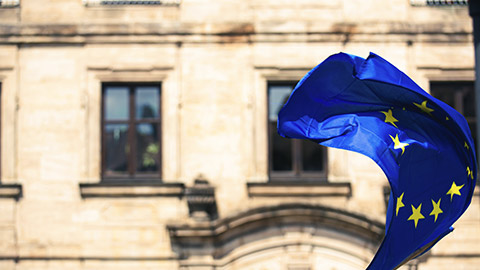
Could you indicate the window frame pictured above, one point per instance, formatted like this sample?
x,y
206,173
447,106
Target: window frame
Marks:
x,y
131,173
297,172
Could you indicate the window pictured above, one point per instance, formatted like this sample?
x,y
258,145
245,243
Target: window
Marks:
x,y
291,158
131,131
461,96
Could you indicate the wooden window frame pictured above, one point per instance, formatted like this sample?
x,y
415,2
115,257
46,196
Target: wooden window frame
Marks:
x,y
131,173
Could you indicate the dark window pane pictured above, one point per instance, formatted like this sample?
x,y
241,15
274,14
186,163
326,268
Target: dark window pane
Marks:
x,y
116,145
277,97
148,148
469,101
147,102
444,94
459,95
116,103
473,130
312,156
281,150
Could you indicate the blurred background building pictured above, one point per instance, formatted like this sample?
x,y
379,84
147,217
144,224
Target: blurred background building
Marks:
x,y
141,134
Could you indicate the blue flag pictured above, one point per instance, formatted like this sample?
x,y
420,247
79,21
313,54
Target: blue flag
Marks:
x,y
423,146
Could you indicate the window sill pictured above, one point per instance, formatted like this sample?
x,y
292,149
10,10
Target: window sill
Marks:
x,y
10,4
131,188
298,188
116,3
13,191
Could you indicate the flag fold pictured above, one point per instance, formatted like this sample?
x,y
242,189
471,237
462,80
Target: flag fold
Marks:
x,y
423,146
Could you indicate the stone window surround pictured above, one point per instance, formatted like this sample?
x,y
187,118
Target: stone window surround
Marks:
x,y
94,186
8,82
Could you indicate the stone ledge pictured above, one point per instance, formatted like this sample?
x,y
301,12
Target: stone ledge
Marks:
x,y
131,188
130,2
9,3
173,33
13,191
431,3
298,189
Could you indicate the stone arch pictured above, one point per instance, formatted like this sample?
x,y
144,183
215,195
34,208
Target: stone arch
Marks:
x,y
293,236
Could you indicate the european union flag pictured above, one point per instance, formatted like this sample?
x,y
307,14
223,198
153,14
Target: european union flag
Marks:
x,y
423,145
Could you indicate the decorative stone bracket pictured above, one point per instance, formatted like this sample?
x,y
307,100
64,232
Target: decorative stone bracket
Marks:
x,y
201,201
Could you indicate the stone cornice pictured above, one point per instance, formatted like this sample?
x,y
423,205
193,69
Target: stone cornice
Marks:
x,y
234,33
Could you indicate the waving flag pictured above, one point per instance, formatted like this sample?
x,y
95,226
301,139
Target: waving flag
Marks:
x,y
423,146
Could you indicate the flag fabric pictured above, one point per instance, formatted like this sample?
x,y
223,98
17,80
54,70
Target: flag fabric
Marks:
x,y
423,146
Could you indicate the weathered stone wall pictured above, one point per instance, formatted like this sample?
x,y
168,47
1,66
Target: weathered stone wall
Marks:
x,y
214,59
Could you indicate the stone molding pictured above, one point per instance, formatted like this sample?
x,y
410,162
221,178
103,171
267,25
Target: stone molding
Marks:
x,y
131,2
9,3
13,191
439,2
131,188
298,189
173,33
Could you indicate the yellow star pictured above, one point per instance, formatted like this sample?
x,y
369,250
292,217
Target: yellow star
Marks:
x,y
416,214
389,118
466,146
454,190
424,107
436,209
398,144
470,172
399,203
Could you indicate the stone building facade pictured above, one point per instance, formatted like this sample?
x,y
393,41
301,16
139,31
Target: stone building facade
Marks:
x,y
137,135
